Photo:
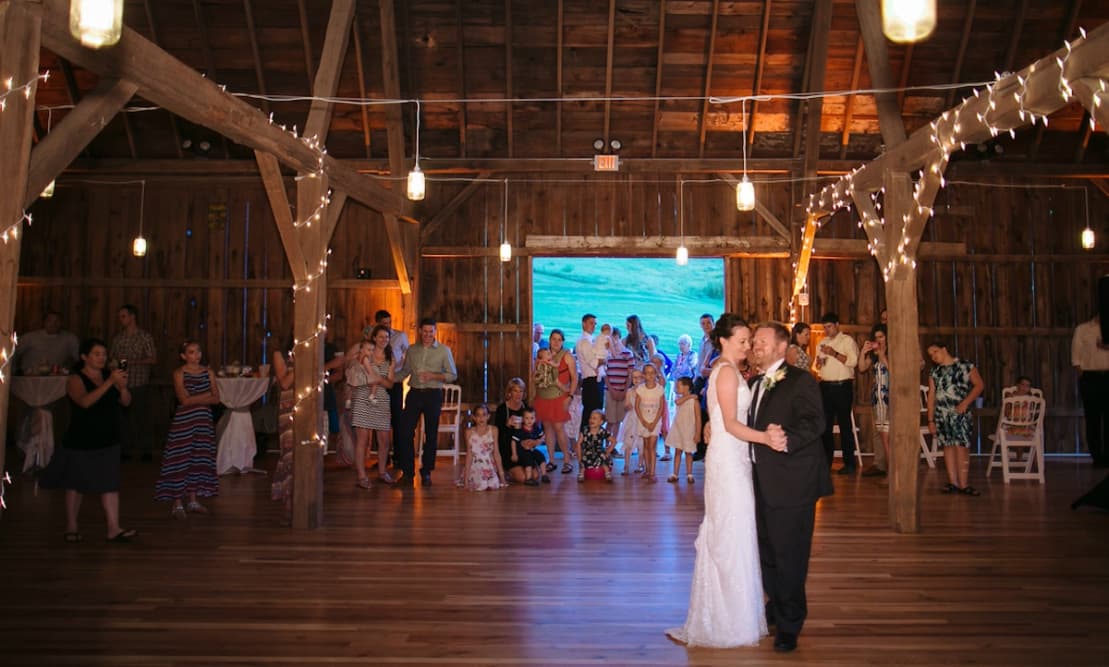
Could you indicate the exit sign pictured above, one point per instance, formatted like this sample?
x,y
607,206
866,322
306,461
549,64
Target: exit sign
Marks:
x,y
606,163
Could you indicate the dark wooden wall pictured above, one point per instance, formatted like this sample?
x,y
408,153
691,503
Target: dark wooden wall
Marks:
x,y
216,271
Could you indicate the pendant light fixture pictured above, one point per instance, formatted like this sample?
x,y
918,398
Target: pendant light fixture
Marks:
x,y
416,183
1088,238
745,190
682,257
506,247
96,23
907,21
138,246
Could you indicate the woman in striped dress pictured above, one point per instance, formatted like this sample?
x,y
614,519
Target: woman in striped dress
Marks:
x,y
370,377
189,461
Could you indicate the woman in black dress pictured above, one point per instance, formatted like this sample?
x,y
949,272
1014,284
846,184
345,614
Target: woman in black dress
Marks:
x,y
509,418
88,460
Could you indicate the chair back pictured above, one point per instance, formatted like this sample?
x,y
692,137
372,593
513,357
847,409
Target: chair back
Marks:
x,y
924,398
1021,414
1011,391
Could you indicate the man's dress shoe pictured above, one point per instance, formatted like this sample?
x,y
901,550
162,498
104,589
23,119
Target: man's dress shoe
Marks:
x,y
785,642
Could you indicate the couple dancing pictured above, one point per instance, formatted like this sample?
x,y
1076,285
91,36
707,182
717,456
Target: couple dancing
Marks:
x,y
759,511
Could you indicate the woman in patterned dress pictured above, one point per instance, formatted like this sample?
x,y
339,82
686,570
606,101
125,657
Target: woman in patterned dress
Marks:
x,y
370,376
874,358
952,387
282,488
189,462
797,353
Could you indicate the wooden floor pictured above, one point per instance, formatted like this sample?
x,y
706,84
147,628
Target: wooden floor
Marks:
x,y
566,574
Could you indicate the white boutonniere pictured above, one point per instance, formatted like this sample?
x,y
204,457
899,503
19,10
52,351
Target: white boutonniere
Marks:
x,y
770,381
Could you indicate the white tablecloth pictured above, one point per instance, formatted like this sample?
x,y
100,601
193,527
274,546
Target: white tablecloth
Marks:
x,y
236,430
36,434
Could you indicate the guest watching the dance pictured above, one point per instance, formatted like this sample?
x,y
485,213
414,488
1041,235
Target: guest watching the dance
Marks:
x,y
46,350
398,343
133,348
371,375
595,446
617,370
589,360
952,388
1090,357
552,404
428,366
683,433
637,341
524,455
650,403
706,357
835,362
509,419
88,460
484,470
875,358
686,365
536,338
797,354
189,459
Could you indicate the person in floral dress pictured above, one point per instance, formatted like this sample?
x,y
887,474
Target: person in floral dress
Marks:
x,y
595,446
484,470
953,385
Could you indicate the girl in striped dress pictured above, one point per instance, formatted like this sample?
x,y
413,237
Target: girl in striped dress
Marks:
x,y
189,461
371,375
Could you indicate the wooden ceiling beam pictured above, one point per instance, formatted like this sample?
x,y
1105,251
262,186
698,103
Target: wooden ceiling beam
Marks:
x,y
256,53
760,65
821,29
960,55
702,120
278,197
442,215
306,42
402,255
806,74
331,68
360,68
1088,61
658,76
74,94
169,83
508,87
69,137
890,122
1066,32
536,244
903,80
609,56
210,59
849,105
463,121
152,27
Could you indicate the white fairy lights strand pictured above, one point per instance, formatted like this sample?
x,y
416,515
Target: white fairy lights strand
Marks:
x,y
26,89
7,351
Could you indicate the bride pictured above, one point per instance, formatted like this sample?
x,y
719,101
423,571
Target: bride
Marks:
x,y
726,599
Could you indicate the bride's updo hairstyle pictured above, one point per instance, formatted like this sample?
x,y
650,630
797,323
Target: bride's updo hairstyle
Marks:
x,y
726,324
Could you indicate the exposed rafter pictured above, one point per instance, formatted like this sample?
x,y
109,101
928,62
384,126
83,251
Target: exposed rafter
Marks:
x,y
463,122
152,27
849,104
609,55
658,75
760,65
306,43
509,129
209,59
960,55
1066,32
256,53
360,69
702,121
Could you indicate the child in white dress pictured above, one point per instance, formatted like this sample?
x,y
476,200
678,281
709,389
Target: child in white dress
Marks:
x,y
629,431
483,459
683,430
650,404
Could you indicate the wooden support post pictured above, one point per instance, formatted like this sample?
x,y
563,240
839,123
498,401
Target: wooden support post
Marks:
x,y
19,59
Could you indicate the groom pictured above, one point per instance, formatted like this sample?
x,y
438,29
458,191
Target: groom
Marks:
x,y
788,483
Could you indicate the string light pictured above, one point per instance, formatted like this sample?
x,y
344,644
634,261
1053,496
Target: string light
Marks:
x,y
5,480
416,185
7,353
12,231
25,89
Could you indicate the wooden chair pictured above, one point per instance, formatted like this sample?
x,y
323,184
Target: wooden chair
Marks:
x,y
858,440
1020,426
450,422
929,451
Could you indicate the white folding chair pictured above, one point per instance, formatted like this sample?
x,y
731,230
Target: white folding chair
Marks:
x,y
450,422
858,440
929,451
1019,427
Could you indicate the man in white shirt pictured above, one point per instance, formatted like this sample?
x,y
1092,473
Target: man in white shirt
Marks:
x,y
588,360
1090,357
47,349
835,362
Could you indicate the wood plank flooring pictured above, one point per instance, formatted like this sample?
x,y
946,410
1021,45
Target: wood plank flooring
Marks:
x,y
566,574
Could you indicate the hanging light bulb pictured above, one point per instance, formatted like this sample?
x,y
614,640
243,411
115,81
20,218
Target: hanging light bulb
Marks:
x,y
906,21
96,23
803,298
138,246
48,191
682,257
745,195
1088,239
416,184
506,252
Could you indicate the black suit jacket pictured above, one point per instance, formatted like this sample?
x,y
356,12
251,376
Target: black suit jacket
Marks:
x,y
799,475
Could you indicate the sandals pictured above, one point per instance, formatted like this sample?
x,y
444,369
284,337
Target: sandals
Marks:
x,y
949,488
123,536
672,479
386,478
581,476
73,537
546,479
196,508
551,467
531,482
608,475
567,468
364,483
689,479
178,512
969,490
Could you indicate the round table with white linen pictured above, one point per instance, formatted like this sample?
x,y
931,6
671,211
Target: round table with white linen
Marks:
x,y
36,434
236,430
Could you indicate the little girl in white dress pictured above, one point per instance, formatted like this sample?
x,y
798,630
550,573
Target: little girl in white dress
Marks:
x,y
484,470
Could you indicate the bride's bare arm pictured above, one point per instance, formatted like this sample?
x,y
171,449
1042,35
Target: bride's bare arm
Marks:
x,y
727,388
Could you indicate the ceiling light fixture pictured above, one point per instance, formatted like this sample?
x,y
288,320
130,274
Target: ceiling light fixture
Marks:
x,y
96,23
506,247
745,190
907,21
682,257
416,184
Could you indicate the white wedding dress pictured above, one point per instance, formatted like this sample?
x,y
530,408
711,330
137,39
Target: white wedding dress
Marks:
x,y
726,599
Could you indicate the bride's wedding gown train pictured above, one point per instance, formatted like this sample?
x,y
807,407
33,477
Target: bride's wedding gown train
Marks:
x,y
726,599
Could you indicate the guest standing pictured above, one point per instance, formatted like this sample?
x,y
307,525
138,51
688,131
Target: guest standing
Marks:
x,y
88,460
189,460
797,354
371,376
428,366
1090,356
484,469
687,364
589,360
952,388
398,343
683,433
552,404
134,348
835,361
637,341
875,358
650,404
617,371
50,347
